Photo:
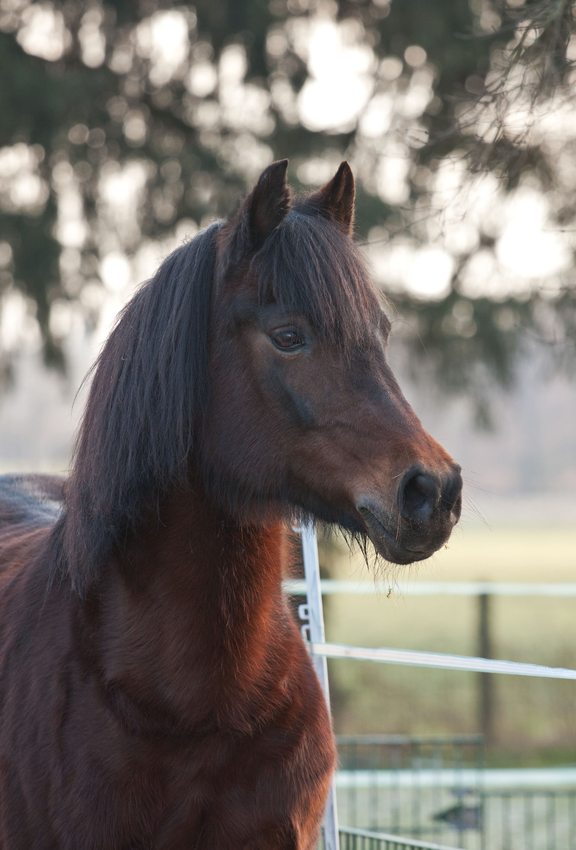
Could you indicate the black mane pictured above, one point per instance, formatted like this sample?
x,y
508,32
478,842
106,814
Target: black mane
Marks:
x,y
150,386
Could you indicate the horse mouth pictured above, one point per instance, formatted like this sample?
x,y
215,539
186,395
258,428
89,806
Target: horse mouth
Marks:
x,y
390,546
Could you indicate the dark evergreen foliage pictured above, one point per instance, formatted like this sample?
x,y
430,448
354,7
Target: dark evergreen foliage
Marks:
x,y
41,101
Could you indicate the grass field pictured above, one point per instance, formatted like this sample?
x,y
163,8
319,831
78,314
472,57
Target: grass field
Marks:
x,y
533,717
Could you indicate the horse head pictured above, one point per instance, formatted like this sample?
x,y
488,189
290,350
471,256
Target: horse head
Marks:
x,y
304,410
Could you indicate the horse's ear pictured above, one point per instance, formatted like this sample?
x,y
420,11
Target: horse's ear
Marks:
x,y
268,202
335,200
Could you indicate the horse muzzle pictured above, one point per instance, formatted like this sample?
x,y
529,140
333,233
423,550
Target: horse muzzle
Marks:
x,y
427,508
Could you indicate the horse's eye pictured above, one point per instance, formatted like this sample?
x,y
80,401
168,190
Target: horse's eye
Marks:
x,y
287,339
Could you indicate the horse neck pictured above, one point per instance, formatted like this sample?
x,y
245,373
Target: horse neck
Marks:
x,y
195,606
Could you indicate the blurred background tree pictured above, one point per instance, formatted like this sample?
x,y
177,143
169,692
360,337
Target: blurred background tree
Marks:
x,y
127,125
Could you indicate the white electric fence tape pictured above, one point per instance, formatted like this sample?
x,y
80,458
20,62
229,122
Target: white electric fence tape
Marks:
x,y
297,587
447,662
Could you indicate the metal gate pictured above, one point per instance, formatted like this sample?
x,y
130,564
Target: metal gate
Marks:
x,y
424,787
543,820
436,788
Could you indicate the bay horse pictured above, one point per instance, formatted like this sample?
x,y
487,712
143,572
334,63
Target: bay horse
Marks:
x,y
156,693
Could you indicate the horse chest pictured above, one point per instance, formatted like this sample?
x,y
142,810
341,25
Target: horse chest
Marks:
x,y
220,791
260,792
93,784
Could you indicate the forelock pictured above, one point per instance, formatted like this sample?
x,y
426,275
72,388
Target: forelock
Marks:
x,y
310,267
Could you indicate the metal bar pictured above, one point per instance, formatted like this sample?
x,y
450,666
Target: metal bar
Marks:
x,y
479,785
352,812
297,587
506,831
394,839
317,638
437,764
550,820
372,765
433,659
353,793
399,739
416,765
396,765
502,778
529,820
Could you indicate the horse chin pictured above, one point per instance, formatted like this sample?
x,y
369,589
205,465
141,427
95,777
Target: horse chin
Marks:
x,y
395,548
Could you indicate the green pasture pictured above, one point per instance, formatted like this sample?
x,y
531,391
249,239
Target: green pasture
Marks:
x,y
534,717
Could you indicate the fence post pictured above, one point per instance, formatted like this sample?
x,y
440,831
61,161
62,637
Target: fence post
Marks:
x,y
485,683
316,627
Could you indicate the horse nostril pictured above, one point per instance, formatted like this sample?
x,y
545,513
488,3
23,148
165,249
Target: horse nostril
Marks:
x,y
418,495
452,493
